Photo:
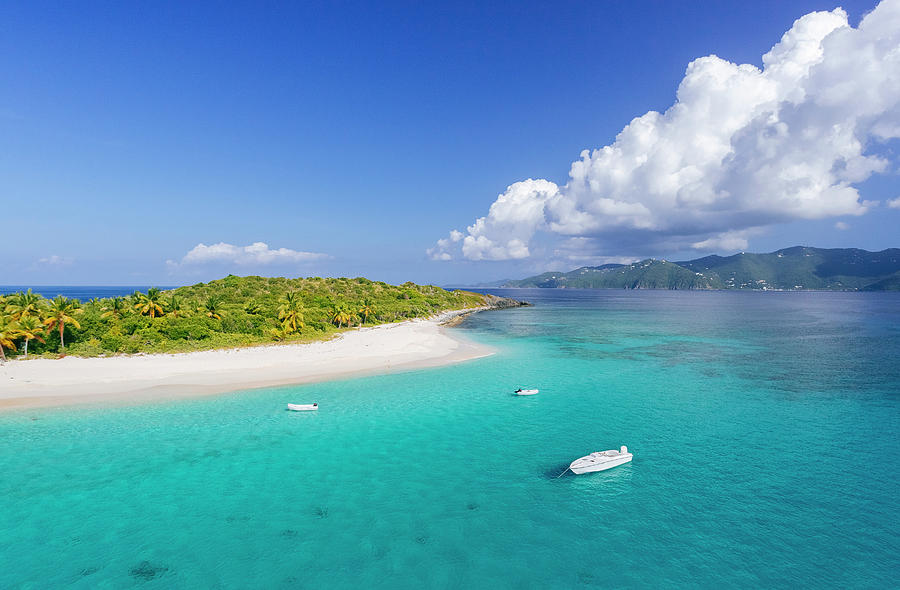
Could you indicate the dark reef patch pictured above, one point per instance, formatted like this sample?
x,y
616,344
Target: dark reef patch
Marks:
x,y
147,571
586,578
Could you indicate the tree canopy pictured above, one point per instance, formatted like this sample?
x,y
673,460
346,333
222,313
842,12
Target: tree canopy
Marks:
x,y
234,311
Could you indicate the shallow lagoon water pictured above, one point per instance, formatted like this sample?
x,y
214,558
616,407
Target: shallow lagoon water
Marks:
x,y
764,427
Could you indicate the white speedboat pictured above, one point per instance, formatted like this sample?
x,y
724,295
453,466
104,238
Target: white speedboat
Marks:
x,y
601,461
303,407
526,391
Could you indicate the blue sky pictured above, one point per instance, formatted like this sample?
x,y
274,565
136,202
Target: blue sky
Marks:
x,y
130,133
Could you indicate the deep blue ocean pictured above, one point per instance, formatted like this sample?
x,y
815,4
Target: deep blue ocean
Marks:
x,y
765,429
82,293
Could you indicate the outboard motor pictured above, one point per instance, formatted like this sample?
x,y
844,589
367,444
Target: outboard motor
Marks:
x,y
623,450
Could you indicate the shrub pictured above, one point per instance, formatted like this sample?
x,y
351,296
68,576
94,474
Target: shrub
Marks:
x,y
90,347
112,341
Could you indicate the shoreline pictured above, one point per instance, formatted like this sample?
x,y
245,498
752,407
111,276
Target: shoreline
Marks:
x,y
124,380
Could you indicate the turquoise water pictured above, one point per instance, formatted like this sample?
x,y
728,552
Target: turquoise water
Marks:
x,y
764,427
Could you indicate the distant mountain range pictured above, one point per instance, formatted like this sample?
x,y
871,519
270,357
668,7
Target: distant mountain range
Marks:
x,y
797,268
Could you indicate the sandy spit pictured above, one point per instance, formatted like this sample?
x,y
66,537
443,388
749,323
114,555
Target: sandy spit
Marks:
x,y
144,378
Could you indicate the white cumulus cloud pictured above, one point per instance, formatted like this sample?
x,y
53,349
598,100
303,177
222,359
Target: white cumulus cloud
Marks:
x,y
504,233
741,148
55,260
256,253
894,203
725,241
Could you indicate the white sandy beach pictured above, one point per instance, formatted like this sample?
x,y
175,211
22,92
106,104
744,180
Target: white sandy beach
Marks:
x,y
140,378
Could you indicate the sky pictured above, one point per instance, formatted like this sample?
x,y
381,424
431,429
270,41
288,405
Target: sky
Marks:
x,y
171,143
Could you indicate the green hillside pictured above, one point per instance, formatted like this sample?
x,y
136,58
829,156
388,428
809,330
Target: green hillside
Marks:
x,y
800,267
891,283
647,274
797,268
234,311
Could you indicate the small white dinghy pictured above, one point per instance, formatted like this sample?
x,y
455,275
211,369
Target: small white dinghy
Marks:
x,y
601,461
526,391
303,407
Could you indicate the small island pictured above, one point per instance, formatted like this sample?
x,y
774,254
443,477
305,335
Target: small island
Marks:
x,y
232,334
226,313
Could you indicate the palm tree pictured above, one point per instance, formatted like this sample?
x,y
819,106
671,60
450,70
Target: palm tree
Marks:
x,y
174,305
30,328
24,304
366,310
150,303
279,334
336,315
340,315
114,308
290,313
8,334
253,308
61,312
211,307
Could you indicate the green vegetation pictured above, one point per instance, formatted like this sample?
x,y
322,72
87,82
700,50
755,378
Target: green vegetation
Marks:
x,y
647,274
890,283
838,269
8,334
234,311
59,312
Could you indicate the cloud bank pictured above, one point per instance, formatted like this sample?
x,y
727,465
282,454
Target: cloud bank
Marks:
x,y
257,253
742,148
